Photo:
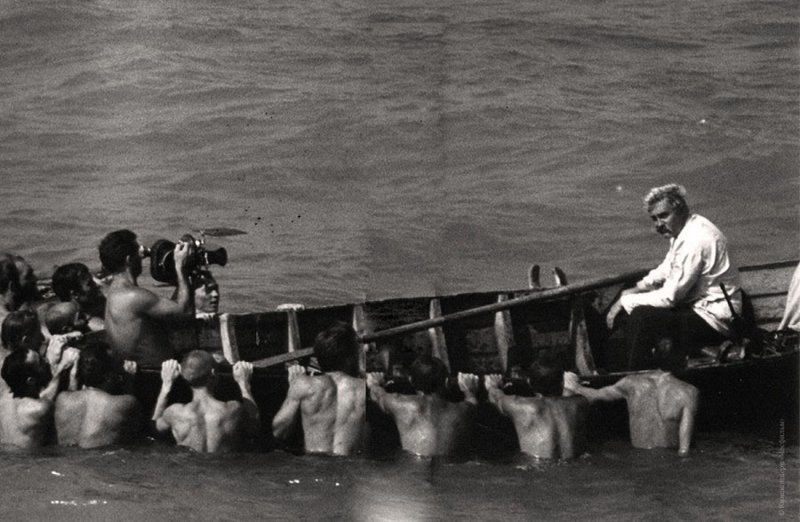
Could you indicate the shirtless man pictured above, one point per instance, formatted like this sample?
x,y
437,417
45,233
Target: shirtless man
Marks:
x,y
26,396
74,285
136,319
332,406
428,424
92,417
548,426
206,424
661,408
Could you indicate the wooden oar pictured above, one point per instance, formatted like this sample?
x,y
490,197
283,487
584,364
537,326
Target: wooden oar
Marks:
x,y
283,358
542,295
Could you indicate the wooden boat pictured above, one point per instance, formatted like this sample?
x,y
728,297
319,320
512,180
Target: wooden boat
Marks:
x,y
502,332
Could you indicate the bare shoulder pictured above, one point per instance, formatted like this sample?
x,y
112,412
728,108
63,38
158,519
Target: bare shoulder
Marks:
x,y
34,407
683,388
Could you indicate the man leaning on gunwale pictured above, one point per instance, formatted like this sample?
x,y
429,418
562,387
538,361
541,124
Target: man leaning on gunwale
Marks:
x,y
681,299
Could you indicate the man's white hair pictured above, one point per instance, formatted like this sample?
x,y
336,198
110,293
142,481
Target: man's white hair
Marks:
x,y
673,193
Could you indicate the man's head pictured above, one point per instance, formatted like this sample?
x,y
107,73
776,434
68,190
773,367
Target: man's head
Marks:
x,y
26,373
94,365
428,374
21,330
120,250
546,376
29,290
336,349
666,358
9,282
197,368
206,293
74,282
66,317
668,209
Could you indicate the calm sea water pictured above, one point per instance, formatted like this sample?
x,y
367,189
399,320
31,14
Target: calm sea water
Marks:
x,y
382,148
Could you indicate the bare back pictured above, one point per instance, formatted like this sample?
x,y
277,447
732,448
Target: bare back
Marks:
x,y
428,424
93,418
24,421
206,424
133,334
332,410
657,402
549,427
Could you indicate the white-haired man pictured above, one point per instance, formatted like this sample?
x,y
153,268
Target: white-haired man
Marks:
x,y
681,299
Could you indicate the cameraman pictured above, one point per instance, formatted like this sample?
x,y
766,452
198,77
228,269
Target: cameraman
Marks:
x,y
137,320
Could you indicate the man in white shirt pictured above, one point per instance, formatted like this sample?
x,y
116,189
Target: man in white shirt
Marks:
x,y
681,299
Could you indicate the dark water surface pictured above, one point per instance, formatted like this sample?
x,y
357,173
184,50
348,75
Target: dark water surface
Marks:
x,y
381,148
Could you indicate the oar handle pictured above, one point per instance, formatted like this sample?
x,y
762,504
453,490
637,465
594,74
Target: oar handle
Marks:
x,y
534,297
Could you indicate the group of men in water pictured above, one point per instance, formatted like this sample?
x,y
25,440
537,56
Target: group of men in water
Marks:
x,y
52,391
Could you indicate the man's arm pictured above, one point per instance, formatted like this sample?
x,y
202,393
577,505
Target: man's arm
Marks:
x,y
68,359
284,420
686,268
183,304
375,382
242,373
614,392
496,395
169,372
468,384
686,429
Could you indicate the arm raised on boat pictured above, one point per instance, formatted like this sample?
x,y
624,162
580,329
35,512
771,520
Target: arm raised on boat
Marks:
x,y
686,427
242,372
572,386
284,420
169,372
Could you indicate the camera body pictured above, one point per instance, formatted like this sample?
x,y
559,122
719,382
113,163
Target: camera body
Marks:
x,y
162,258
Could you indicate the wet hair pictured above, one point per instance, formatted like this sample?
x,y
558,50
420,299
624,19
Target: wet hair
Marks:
x,y
428,374
666,358
546,376
197,368
673,194
9,275
16,326
68,278
115,248
24,378
336,349
60,317
95,364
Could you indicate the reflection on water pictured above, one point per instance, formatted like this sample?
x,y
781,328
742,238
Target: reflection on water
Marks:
x,y
729,475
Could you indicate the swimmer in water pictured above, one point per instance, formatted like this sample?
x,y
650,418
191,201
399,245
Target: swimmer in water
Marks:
x,y
91,417
206,424
27,391
429,425
331,406
661,408
548,425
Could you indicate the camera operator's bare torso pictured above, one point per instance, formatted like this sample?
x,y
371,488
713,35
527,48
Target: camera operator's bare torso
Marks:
x,y
133,331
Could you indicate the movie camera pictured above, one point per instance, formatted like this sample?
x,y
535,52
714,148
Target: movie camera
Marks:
x,y
162,258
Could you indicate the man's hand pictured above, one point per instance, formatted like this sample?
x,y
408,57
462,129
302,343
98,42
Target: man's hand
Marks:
x,y
54,348
295,371
613,312
375,379
170,370
181,254
69,357
468,383
494,380
242,372
130,367
572,382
